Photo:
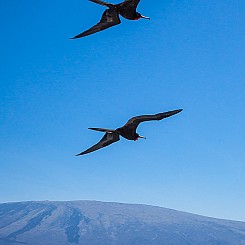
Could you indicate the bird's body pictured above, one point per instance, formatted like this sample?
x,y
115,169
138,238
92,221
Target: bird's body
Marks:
x,y
126,9
128,131
110,17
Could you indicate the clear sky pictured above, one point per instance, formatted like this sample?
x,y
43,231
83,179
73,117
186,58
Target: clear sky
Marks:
x,y
190,55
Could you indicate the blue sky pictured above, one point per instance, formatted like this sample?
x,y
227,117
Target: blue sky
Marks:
x,y
190,55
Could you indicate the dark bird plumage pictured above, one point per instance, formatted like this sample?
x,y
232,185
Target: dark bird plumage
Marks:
x,y
110,17
128,131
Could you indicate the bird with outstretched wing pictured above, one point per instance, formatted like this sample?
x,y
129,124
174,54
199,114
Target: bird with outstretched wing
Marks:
x,y
110,17
128,131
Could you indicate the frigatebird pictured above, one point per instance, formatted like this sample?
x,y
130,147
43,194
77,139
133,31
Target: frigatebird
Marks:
x,y
110,17
128,131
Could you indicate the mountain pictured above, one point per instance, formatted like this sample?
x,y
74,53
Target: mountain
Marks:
x,y
99,223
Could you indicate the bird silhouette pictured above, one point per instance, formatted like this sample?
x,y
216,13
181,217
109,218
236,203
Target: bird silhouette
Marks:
x,y
110,17
128,131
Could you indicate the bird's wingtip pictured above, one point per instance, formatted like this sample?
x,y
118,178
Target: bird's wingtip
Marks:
x,y
79,154
175,111
178,111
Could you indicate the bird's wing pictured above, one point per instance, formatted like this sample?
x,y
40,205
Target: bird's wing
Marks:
x,y
133,122
109,18
130,4
107,139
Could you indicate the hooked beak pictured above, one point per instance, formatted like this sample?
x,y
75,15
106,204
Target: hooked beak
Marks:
x,y
142,137
144,17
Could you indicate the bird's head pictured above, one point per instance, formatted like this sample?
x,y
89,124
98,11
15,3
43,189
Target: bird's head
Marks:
x,y
139,16
137,136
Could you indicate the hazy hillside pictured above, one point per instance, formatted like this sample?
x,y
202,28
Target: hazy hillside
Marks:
x,y
98,223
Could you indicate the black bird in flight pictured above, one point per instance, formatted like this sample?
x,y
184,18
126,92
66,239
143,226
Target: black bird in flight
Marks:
x,y
110,17
128,131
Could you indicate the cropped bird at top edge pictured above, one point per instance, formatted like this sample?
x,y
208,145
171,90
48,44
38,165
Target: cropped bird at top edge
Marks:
x,y
128,131
110,17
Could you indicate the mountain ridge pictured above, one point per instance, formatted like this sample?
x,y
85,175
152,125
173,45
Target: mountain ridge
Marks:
x,y
105,223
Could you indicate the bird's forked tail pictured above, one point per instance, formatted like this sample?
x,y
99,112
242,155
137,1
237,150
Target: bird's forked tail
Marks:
x,y
102,3
103,130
